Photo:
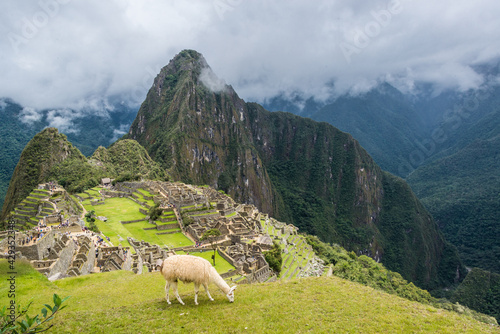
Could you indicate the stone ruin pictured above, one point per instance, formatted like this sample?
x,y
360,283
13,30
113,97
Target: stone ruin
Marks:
x,y
147,255
248,259
54,254
84,258
241,243
114,258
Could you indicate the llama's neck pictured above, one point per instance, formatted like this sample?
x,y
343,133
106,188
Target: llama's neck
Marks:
x,y
219,281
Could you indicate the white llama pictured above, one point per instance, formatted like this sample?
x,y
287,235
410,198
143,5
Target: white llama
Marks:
x,y
188,268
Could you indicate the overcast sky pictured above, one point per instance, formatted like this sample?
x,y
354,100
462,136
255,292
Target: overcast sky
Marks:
x,y
75,53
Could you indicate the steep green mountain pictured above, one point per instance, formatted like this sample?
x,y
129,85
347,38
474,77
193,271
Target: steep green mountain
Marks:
x,y
86,129
383,120
462,192
41,154
448,142
49,156
301,171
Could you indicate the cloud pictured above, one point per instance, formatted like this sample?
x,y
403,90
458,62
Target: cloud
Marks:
x,y
118,133
63,120
59,54
211,80
29,115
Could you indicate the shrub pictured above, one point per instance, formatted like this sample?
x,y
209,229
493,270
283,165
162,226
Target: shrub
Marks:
x,y
155,212
274,259
29,324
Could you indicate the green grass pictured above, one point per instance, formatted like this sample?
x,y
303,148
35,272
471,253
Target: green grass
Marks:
x,y
144,192
94,192
113,234
124,209
170,230
221,265
174,240
83,195
121,302
117,209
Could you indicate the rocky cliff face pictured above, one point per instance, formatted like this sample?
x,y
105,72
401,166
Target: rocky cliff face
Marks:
x,y
303,172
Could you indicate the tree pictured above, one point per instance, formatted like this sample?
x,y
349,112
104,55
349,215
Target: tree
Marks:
x,y
155,212
89,216
211,235
273,258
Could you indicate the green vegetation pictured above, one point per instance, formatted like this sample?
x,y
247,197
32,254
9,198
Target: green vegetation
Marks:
x,y
11,321
155,212
119,303
49,156
14,135
462,193
405,221
480,291
91,131
221,265
118,209
366,271
382,120
90,218
46,150
274,259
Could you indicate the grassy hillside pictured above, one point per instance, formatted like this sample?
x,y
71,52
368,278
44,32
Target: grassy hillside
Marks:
x,y
127,303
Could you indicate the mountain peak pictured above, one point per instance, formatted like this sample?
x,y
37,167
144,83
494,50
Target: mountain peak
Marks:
x,y
187,60
47,149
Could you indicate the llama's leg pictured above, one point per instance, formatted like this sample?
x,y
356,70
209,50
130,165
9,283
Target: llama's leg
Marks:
x,y
174,287
196,289
167,288
205,285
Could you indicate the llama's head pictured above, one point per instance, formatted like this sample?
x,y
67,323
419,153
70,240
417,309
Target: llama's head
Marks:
x,y
230,294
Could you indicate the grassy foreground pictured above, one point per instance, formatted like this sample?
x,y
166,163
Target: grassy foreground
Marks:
x,y
121,302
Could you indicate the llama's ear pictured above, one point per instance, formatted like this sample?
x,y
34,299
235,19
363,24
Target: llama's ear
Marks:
x,y
233,288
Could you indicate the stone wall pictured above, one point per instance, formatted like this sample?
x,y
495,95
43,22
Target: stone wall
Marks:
x,y
226,257
65,256
167,226
40,249
133,221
